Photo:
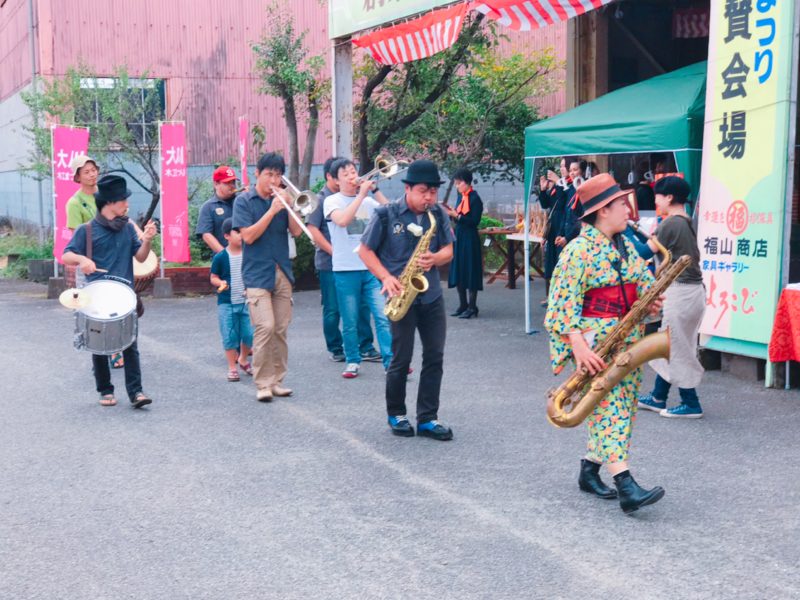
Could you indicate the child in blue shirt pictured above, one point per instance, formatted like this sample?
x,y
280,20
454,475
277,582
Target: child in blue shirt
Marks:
x,y
234,319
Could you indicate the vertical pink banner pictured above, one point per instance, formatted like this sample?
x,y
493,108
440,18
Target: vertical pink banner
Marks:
x,y
174,193
244,130
67,142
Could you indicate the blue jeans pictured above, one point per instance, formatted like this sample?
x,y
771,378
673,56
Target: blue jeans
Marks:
x,y
661,391
234,325
331,317
353,289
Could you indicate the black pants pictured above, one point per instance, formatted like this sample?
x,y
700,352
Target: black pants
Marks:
x,y
133,372
429,319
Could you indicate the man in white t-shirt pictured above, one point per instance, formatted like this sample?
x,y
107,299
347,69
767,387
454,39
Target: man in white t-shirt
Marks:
x,y
348,213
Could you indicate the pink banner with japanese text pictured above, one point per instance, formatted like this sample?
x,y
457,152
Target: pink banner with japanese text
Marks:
x,y
67,143
244,129
174,193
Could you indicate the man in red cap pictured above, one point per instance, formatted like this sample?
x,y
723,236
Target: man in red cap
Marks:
x,y
598,278
214,212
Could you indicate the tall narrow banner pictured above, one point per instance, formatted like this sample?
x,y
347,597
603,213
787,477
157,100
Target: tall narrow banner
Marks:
x,y
174,193
745,148
244,130
67,142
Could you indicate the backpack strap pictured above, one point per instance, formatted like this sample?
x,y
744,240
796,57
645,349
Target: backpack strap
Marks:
x,y
88,228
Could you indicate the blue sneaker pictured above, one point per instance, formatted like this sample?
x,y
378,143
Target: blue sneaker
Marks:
x,y
649,403
401,426
683,411
371,356
434,429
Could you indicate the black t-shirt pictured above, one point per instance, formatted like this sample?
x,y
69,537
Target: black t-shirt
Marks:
x,y
677,234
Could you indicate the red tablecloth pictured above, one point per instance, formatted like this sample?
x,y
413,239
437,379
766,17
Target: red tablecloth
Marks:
x,y
785,341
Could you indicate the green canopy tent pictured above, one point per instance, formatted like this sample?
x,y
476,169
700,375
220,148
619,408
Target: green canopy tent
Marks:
x,y
662,114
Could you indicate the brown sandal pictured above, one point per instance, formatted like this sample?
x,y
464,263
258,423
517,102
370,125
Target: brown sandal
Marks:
x,y
140,400
107,400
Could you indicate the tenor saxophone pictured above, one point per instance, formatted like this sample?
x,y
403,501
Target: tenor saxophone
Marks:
x,y
412,278
571,402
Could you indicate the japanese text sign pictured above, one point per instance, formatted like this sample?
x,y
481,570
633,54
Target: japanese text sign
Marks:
x,y
67,143
742,203
174,193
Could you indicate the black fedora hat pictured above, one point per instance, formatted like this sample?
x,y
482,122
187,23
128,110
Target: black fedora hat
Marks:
x,y
423,171
111,188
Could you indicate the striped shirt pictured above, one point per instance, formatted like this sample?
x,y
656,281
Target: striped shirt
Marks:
x,y
237,284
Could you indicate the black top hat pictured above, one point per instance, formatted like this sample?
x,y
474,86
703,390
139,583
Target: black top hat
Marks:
x,y
423,171
111,188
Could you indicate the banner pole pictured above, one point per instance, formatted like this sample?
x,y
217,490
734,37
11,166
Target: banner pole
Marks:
x,y
53,199
161,199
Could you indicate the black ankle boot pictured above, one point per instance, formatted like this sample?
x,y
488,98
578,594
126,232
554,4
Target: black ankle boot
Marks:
x,y
632,496
459,311
589,481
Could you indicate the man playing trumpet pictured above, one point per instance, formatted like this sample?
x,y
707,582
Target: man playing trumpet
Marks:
x,y
267,274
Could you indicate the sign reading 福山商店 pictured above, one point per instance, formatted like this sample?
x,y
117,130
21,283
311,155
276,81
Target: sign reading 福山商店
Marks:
x,y
348,16
745,147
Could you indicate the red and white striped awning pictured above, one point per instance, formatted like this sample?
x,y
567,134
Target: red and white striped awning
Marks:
x,y
420,38
525,15
439,29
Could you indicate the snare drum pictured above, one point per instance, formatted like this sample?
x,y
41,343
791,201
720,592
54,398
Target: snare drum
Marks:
x,y
144,272
108,323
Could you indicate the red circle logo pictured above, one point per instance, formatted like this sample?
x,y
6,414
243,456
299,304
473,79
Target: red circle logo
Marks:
x,y
737,217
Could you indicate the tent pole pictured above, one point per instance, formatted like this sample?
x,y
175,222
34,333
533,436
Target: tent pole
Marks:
x,y
527,250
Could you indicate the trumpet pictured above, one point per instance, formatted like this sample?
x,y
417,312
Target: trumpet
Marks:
x,y
385,166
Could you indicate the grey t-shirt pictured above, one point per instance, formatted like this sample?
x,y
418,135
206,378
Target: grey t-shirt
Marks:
x,y
677,235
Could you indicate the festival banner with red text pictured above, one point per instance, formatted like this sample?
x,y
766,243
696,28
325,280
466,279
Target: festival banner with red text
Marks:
x,y
745,147
244,130
67,142
174,192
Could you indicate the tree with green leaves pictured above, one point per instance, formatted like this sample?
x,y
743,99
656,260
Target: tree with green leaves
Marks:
x,y
465,106
121,112
288,73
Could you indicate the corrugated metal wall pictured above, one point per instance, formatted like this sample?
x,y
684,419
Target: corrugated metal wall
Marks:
x,y
201,47
15,52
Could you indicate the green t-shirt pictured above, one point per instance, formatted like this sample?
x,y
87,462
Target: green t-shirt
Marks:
x,y
80,209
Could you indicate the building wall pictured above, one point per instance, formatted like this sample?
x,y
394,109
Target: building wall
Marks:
x,y
15,51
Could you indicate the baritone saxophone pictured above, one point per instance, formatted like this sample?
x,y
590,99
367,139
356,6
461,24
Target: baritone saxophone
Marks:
x,y
412,278
570,403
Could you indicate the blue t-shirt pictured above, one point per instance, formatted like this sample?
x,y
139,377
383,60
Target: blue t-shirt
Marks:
x,y
388,236
111,250
272,248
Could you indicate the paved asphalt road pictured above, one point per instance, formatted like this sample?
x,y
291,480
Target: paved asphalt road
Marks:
x,y
210,494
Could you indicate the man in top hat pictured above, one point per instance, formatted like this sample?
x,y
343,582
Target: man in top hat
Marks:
x,y
113,244
218,208
389,241
81,207
598,278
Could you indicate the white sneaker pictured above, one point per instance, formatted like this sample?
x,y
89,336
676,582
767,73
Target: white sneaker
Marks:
x,y
351,371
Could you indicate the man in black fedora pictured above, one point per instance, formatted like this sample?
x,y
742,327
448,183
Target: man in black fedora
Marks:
x,y
113,244
387,245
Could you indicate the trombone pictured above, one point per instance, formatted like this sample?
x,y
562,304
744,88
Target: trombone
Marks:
x,y
385,166
303,204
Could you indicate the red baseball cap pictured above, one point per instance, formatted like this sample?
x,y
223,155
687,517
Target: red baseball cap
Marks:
x,y
224,174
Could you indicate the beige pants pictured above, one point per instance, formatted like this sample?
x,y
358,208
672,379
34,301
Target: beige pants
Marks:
x,y
270,314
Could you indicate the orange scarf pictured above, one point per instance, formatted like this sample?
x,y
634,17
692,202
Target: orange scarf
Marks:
x,y
463,206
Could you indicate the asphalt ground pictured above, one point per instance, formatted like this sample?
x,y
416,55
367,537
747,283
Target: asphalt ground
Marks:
x,y
210,494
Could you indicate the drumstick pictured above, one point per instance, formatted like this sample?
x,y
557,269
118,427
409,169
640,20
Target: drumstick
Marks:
x,y
101,270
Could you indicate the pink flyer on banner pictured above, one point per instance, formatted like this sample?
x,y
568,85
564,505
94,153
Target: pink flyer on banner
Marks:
x,y
174,193
67,142
244,129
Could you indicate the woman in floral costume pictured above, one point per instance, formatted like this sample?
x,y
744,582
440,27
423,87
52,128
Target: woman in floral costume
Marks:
x,y
598,278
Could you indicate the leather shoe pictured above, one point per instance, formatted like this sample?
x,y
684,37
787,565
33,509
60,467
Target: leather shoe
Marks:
x,y
264,395
435,430
469,313
589,481
281,392
632,496
458,312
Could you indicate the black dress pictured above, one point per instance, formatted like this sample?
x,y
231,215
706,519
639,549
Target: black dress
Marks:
x,y
563,222
466,270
